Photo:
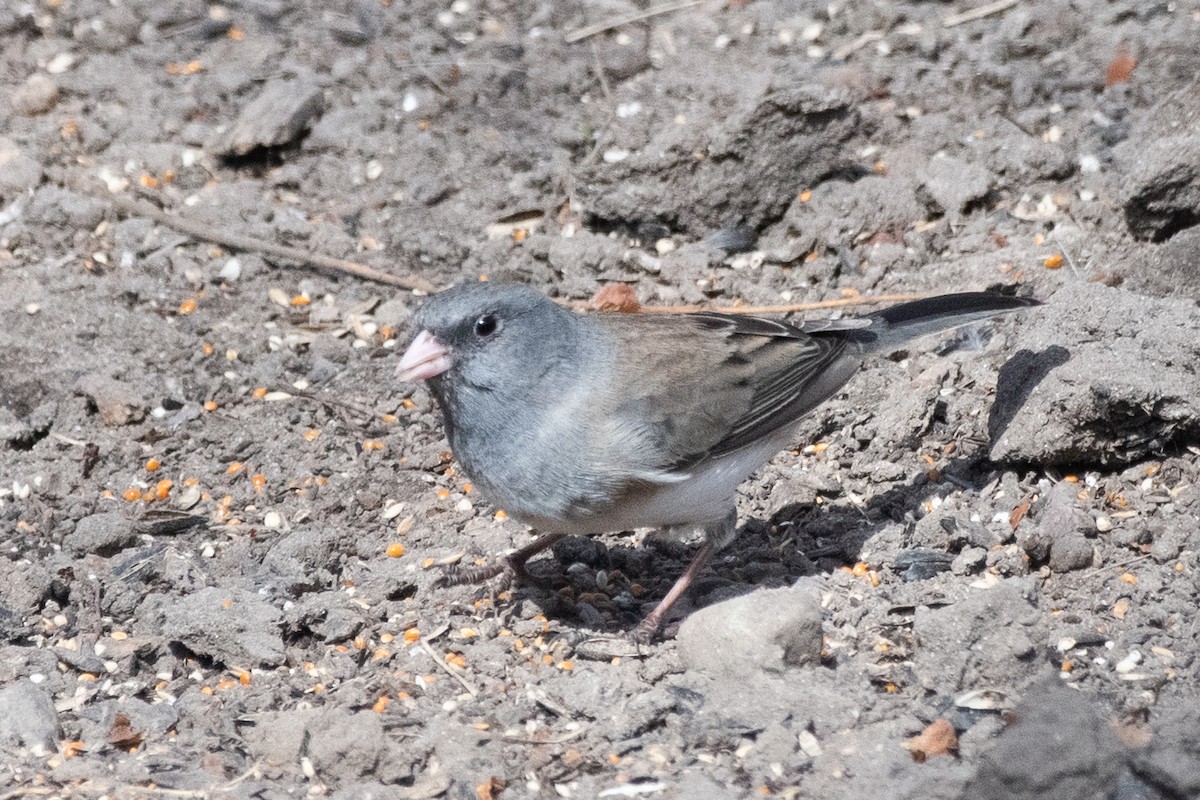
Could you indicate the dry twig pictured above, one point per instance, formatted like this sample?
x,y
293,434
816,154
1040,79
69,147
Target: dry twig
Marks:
x,y
239,241
791,308
449,670
864,39
978,13
600,27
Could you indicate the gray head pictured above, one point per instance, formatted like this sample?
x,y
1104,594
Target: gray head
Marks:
x,y
499,339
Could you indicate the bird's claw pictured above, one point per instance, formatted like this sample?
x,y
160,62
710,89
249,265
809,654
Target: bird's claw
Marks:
x,y
606,647
454,575
508,570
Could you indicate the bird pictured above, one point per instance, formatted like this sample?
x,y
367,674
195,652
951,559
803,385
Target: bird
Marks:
x,y
587,423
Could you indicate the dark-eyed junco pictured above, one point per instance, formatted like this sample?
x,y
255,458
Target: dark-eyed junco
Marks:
x,y
581,424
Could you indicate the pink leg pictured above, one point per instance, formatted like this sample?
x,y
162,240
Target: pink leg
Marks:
x,y
512,566
646,629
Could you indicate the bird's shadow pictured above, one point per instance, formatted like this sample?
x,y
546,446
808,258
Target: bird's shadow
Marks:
x,y
611,587
1017,379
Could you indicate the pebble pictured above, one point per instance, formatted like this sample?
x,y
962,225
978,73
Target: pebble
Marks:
x,y
117,402
770,630
37,95
231,270
1128,663
969,561
28,719
100,534
230,627
19,172
60,63
1070,551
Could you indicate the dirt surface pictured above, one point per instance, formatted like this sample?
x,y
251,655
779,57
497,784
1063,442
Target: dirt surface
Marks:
x,y
974,577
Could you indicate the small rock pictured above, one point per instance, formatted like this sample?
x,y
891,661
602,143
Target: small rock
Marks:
x,y
100,534
117,402
36,96
395,312
18,171
952,185
969,561
919,565
28,719
1033,758
279,737
345,744
281,112
230,626
768,629
62,208
13,430
1070,551
1168,544
230,271
581,550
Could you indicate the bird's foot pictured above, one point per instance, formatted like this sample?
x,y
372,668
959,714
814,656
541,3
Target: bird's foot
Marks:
x,y
454,575
644,633
606,647
510,569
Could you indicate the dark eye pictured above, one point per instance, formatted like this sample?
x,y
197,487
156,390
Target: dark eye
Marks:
x,y
486,325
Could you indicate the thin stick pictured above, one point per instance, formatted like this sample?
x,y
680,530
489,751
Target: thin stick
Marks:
x,y
978,13
1118,565
239,241
600,27
787,309
28,791
862,41
449,670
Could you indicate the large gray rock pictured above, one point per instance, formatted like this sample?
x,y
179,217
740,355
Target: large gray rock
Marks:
x,y
28,720
1100,376
1059,746
767,630
984,641
230,626
102,534
743,174
276,117
1160,168
1172,761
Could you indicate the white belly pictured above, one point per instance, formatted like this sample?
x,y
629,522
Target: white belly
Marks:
x,y
706,495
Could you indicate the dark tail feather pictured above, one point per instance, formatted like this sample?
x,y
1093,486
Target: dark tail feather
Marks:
x,y
896,325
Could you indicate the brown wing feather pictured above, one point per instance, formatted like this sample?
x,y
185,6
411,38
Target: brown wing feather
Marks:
x,y
734,379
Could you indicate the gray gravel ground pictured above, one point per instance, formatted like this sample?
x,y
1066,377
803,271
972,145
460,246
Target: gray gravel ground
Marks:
x,y
221,519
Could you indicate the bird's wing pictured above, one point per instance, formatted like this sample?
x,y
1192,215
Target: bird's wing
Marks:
x,y
710,384
793,369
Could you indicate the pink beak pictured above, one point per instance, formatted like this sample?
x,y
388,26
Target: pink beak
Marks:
x,y
424,358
